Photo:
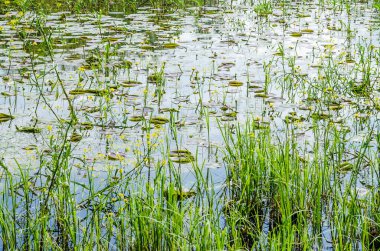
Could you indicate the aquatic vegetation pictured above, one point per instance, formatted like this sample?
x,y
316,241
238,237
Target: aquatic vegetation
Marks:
x,y
189,125
5,117
263,8
28,129
235,83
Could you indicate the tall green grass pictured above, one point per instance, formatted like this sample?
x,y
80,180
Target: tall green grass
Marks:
x,y
275,198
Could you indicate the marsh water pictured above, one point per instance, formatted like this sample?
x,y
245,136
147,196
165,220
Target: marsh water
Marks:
x,y
146,84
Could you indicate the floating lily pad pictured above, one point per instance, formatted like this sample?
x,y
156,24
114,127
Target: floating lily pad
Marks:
x,y
296,34
169,110
159,120
30,147
91,109
335,107
75,137
147,47
321,115
227,118
115,156
27,129
130,83
87,91
261,125
261,95
170,45
6,94
235,83
230,114
345,167
5,117
293,118
307,31
136,118
86,126
181,156
93,60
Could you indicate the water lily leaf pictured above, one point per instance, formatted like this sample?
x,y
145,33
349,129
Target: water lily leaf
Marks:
x,y
87,91
235,83
182,156
170,45
130,83
5,117
28,129
115,156
159,120
75,137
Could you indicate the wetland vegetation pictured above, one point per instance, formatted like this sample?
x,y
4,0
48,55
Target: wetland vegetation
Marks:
x,y
189,125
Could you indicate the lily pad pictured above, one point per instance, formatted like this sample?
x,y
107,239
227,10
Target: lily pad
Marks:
x,y
87,91
181,156
235,83
30,147
5,117
307,31
170,46
115,156
75,137
345,167
296,34
28,129
130,83
159,120
136,118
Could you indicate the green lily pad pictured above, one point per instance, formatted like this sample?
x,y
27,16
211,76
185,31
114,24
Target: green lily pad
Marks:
x,y
181,156
345,167
130,83
296,34
147,47
5,117
235,83
30,147
159,120
75,137
87,91
307,31
28,129
170,45
115,156
86,126
136,118
261,95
